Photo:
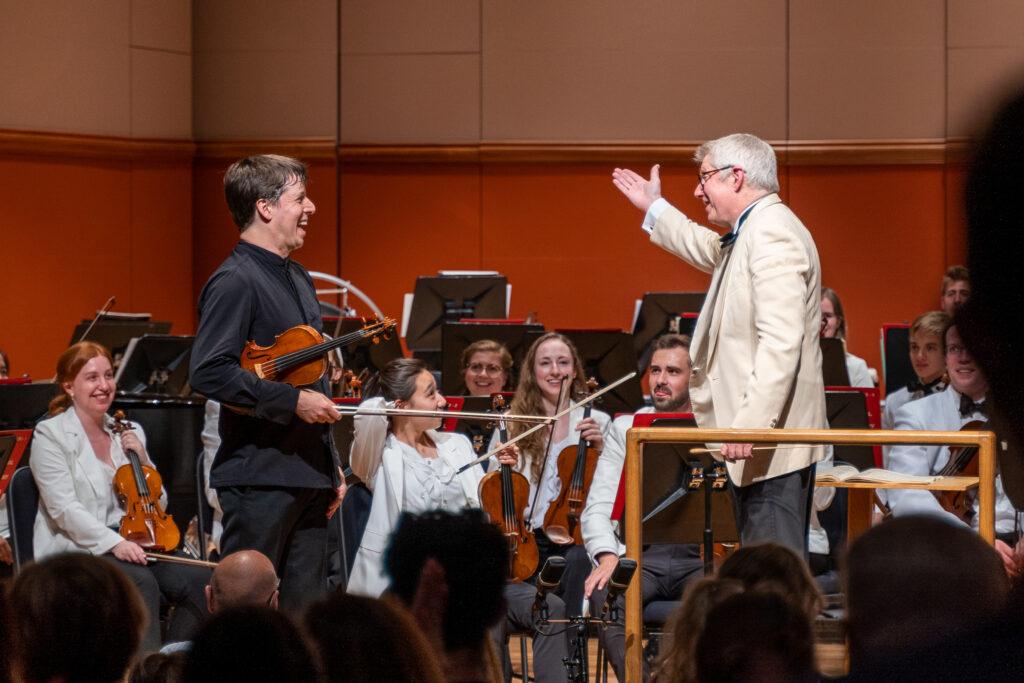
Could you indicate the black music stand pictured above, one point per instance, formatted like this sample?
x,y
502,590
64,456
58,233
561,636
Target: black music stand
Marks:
x,y
833,363
608,355
455,337
155,364
23,405
897,369
849,410
661,313
451,298
116,334
680,500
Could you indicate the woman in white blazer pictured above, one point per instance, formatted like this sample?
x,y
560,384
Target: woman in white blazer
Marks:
x,y
407,463
74,457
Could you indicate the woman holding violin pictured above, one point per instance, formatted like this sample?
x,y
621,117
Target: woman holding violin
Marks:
x,y
75,455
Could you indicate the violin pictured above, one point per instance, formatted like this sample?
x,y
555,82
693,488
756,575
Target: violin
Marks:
x,y
963,462
504,494
138,487
298,355
576,465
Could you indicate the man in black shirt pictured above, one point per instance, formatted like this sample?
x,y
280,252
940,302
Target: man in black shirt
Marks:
x,y
276,471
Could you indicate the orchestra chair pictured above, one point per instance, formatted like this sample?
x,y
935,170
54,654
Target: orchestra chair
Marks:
x,y
355,513
22,506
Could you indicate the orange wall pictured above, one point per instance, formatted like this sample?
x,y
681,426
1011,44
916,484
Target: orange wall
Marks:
x,y
76,232
573,251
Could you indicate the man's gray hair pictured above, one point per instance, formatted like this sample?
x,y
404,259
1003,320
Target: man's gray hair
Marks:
x,y
755,156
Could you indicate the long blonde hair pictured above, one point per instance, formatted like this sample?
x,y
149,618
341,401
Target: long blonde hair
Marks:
x,y
527,401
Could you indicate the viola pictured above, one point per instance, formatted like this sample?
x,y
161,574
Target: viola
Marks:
x,y
963,462
504,494
576,465
298,355
138,488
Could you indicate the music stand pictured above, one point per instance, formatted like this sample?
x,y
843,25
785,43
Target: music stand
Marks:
x,y
455,337
897,369
23,405
847,408
833,363
660,313
155,364
363,354
607,355
12,448
441,298
116,334
675,509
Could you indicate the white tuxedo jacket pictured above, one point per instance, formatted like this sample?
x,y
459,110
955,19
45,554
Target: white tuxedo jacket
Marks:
x,y
755,352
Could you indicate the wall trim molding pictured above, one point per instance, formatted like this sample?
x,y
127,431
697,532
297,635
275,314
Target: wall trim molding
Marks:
x,y
935,151
94,147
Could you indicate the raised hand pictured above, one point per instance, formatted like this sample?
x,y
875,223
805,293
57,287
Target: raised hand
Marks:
x,y
639,190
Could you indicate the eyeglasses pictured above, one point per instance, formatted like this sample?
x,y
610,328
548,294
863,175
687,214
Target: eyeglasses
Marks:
x,y
481,369
702,176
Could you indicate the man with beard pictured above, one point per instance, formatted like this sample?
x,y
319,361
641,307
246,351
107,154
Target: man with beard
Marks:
x,y
666,568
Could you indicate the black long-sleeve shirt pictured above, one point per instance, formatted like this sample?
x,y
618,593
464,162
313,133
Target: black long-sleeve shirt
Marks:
x,y
256,295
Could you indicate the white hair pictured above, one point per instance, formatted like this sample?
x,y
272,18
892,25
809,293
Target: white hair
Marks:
x,y
755,156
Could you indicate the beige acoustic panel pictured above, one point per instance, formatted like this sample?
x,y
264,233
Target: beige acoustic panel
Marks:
x,y
161,94
979,78
406,26
607,71
55,84
264,94
410,99
162,24
985,23
872,69
264,25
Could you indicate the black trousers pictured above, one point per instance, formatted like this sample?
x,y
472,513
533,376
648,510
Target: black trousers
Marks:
x,y
182,586
666,569
776,510
288,525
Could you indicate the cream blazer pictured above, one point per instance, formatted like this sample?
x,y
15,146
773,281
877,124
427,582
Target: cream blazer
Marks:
x,y
74,489
368,576
756,359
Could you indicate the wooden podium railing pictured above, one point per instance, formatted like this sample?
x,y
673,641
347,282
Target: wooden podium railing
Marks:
x,y
636,438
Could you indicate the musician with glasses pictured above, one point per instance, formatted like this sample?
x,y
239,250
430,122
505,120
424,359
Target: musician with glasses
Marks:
x,y
755,351
486,368
276,471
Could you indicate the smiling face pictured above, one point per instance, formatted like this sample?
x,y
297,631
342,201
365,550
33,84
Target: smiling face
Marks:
x,y
926,356
670,379
552,364
964,374
92,390
484,375
829,319
425,397
287,217
718,193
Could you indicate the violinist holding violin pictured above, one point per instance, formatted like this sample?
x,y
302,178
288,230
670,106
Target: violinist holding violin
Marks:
x,y
276,471
75,455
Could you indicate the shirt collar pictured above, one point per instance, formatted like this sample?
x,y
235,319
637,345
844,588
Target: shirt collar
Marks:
x,y
263,255
745,213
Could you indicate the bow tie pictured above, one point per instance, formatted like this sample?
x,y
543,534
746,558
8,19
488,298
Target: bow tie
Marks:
x,y
969,407
727,239
932,387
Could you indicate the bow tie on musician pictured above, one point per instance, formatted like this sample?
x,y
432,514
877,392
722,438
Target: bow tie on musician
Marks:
x,y
968,390
76,459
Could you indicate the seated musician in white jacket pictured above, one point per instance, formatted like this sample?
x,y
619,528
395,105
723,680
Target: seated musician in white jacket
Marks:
x,y
962,402
666,568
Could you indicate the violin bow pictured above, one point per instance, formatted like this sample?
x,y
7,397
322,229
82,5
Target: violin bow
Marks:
x,y
555,417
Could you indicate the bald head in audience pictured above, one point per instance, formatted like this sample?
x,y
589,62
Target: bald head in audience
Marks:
x,y
246,577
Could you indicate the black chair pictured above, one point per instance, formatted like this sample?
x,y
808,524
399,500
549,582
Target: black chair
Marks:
x,y
22,506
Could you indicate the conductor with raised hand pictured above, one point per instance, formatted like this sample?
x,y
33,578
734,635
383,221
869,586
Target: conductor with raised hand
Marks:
x,y
756,359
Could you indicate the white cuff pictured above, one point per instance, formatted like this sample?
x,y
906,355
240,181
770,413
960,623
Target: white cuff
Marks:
x,y
653,212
